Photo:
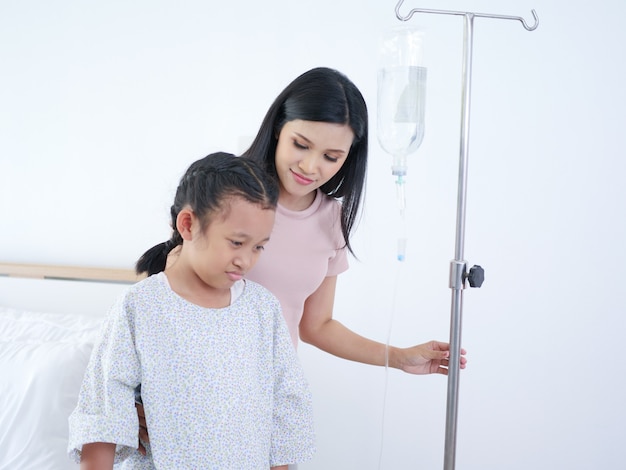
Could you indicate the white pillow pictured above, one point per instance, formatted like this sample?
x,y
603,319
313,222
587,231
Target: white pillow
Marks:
x,y
43,357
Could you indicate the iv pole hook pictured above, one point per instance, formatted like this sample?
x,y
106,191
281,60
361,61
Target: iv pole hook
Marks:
x,y
462,13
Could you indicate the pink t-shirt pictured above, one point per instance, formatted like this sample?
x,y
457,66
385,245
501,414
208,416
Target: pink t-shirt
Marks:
x,y
304,248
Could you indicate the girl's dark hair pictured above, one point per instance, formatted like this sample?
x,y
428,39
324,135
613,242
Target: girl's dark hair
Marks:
x,y
206,188
323,95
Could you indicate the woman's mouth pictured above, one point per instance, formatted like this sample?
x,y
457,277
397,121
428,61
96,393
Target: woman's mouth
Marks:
x,y
300,179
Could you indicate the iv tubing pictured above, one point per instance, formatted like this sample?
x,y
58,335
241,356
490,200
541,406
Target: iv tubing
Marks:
x,y
401,198
387,343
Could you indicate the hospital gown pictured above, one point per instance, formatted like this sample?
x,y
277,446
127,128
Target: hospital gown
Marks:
x,y
222,388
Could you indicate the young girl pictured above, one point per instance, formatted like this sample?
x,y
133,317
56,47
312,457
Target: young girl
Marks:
x,y
220,381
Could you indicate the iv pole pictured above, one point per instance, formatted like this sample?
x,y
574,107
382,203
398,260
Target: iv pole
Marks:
x,y
458,267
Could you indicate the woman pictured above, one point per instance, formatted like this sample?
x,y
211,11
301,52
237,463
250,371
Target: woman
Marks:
x,y
314,139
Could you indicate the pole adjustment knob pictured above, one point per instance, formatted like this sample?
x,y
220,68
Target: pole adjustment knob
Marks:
x,y
476,276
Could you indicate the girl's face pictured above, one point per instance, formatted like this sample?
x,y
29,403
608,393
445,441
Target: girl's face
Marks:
x,y
308,154
231,244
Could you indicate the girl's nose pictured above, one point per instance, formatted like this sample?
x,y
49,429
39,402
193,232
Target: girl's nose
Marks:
x,y
243,261
240,263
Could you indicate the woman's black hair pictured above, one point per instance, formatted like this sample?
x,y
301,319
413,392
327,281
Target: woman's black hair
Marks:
x,y
322,95
205,188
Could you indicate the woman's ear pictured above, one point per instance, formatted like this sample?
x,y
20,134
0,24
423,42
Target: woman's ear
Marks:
x,y
185,222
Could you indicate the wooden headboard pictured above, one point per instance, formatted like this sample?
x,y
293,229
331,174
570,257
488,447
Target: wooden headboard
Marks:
x,y
73,273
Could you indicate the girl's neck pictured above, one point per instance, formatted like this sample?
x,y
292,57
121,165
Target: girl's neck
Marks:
x,y
191,288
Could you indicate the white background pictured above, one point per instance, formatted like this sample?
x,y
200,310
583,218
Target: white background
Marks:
x,y
103,105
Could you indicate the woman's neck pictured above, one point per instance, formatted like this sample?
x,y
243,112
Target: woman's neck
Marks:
x,y
296,203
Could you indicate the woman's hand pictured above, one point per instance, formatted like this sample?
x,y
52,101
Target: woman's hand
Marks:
x,y
143,429
427,358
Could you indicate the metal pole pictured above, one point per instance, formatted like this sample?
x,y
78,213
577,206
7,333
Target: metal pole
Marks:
x,y
458,265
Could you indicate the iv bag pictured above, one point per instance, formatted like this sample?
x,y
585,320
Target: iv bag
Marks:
x,y
401,94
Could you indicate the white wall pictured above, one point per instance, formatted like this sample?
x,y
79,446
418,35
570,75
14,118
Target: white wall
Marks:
x,y
104,105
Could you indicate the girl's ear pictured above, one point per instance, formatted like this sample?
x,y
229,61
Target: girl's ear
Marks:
x,y
185,222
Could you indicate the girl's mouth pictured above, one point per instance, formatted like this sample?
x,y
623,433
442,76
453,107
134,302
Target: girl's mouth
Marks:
x,y
234,276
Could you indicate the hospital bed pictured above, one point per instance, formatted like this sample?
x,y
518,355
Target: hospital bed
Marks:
x,y
50,316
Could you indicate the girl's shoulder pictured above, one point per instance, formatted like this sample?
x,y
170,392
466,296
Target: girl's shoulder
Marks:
x,y
148,285
148,290
253,291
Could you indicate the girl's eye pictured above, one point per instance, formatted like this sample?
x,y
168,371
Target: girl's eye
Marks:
x,y
236,243
299,145
331,158
260,248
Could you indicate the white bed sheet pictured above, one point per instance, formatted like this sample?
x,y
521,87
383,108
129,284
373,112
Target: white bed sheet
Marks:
x,y
43,357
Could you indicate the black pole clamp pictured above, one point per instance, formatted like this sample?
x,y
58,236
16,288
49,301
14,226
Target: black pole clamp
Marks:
x,y
476,276
459,274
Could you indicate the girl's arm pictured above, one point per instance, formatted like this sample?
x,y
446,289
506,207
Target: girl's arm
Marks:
x,y
318,328
97,456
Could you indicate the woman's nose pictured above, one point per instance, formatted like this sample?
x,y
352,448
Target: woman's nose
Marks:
x,y
307,164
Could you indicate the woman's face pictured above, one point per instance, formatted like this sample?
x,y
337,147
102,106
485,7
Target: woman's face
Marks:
x,y
308,154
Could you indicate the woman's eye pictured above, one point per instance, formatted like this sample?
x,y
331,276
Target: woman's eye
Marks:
x,y
236,243
260,248
299,145
331,158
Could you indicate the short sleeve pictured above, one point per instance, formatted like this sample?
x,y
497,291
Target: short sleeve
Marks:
x,y
105,411
339,263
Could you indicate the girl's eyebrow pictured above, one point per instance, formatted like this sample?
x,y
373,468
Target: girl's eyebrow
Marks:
x,y
247,236
308,141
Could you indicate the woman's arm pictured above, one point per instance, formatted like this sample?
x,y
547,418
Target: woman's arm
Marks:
x,y
317,327
97,456
143,429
